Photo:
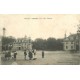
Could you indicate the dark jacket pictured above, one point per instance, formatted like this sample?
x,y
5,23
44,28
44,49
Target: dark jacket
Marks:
x,y
25,53
30,54
15,55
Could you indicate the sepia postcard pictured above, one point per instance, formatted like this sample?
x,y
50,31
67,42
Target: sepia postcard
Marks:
x,y
39,39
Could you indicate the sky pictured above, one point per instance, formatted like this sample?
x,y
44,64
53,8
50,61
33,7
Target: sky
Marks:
x,y
39,25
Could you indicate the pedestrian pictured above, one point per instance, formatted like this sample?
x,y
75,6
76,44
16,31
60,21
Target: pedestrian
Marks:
x,y
34,55
43,54
34,51
30,55
27,56
9,55
5,55
25,53
15,53
12,55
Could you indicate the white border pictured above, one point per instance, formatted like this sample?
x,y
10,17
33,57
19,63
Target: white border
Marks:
x,y
39,72
39,7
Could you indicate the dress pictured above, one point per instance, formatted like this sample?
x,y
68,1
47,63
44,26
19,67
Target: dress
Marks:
x,y
30,55
12,55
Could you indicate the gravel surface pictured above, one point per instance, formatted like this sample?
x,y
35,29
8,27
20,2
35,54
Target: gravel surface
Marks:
x,y
51,58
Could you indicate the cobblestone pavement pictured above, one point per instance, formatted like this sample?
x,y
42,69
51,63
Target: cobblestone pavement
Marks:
x,y
51,58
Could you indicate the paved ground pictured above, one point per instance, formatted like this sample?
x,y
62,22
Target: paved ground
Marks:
x,y
0,59
51,58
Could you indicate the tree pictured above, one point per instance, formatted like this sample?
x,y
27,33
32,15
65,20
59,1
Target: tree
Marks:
x,y
39,44
49,44
59,44
7,43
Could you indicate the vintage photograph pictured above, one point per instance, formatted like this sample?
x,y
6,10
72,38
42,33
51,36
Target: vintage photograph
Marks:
x,y
39,39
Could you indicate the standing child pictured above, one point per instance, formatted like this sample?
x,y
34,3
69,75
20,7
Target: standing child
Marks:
x,y
15,53
25,53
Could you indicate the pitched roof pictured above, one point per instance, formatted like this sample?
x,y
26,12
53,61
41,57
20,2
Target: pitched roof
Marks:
x,y
71,37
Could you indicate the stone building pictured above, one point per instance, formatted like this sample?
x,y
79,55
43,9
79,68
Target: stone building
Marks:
x,y
19,43
0,44
22,44
72,42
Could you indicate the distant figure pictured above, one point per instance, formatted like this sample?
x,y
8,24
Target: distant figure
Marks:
x,y
15,53
9,55
30,55
25,53
6,55
34,54
34,51
12,55
42,54
27,56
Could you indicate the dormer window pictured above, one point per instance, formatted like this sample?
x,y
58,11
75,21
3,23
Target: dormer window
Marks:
x,y
72,42
66,42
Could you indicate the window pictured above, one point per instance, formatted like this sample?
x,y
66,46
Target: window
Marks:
x,y
71,47
66,47
72,42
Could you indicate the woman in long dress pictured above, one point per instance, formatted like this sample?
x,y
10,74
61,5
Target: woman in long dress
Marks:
x,y
27,56
34,54
12,55
30,55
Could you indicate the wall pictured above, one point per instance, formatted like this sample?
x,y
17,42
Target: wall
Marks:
x,y
68,44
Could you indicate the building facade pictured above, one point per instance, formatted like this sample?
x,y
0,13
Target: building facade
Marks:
x,y
0,44
22,44
72,42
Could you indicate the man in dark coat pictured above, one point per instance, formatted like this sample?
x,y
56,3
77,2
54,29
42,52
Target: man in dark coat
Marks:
x,y
9,55
42,54
6,55
25,53
30,55
15,53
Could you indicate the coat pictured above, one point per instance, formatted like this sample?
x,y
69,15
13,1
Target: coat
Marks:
x,y
15,55
30,55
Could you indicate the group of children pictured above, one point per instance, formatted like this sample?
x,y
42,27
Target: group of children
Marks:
x,y
28,55
7,55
